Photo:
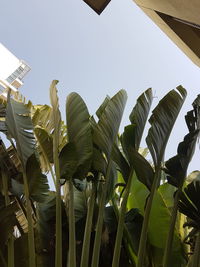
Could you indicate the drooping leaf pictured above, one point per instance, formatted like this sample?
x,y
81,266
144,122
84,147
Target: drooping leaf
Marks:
x,y
132,135
105,132
128,140
142,167
176,167
37,181
189,203
79,132
162,121
68,161
20,128
121,162
45,142
98,161
42,116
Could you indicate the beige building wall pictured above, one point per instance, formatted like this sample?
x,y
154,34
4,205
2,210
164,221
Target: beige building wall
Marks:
x,y
180,20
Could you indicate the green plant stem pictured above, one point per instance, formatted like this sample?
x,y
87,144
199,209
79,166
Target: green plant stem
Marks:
x,y
72,234
31,241
120,228
88,228
58,258
196,255
127,238
97,241
7,202
144,233
170,237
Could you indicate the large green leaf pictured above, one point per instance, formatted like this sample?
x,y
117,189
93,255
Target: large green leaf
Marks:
x,y
142,167
189,203
99,163
159,218
102,107
176,167
45,147
132,135
38,182
139,115
20,128
162,121
79,132
42,116
68,161
105,132
121,162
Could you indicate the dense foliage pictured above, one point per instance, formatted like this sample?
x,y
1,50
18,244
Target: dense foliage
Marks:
x,y
111,206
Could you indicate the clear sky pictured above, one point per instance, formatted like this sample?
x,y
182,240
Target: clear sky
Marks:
x,y
96,55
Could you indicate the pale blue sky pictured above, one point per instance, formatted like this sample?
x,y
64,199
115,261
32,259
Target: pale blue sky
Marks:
x,y
96,55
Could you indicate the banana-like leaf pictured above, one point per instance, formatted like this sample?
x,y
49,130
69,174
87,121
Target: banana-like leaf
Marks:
x,y
142,167
20,128
68,161
176,167
139,115
102,106
14,157
189,203
45,147
111,182
7,220
105,132
45,142
79,132
42,116
132,135
98,162
37,182
121,162
159,218
162,121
